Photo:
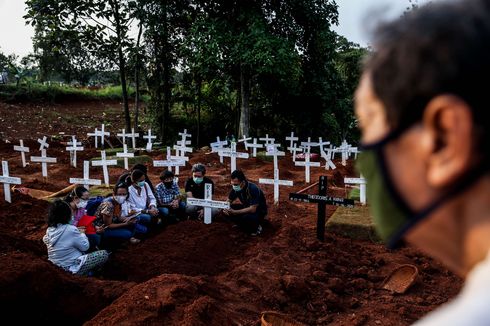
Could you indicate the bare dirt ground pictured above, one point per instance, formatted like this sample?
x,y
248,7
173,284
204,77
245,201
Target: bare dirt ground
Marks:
x,y
190,273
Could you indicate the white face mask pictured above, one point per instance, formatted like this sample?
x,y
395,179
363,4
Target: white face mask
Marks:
x,y
82,204
120,199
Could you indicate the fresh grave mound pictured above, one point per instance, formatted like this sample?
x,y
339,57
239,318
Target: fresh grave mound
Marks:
x,y
172,299
35,289
187,248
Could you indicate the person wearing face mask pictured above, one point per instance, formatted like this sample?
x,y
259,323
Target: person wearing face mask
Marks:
x,y
126,177
422,107
77,200
168,197
118,218
248,207
143,199
194,188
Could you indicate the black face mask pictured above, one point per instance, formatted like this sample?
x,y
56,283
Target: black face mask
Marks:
x,y
168,184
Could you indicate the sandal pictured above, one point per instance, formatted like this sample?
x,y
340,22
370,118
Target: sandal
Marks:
x,y
134,240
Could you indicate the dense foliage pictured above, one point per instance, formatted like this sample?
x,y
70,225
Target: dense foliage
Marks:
x,y
246,66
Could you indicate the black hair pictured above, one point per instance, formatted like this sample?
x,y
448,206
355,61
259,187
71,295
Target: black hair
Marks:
x,y
75,193
440,48
166,174
199,167
137,174
121,185
238,174
59,213
141,167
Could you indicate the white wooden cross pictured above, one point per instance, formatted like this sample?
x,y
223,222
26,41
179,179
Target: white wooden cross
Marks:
x,y
125,155
22,149
233,155
294,150
43,142
102,135
254,147
179,157
171,161
308,144
362,187
44,160
276,182
149,144
208,203
327,156
7,180
184,136
244,140
267,139
292,140
182,149
271,150
104,163
133,136
344,149
306,163
86,181
217,146
123,135
73,147
94,134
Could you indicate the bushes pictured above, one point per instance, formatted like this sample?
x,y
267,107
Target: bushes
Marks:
x,y
33,92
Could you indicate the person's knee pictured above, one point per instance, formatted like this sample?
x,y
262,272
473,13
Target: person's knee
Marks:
x,y
164,211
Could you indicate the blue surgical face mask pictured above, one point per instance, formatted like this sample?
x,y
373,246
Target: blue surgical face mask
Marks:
x,y
141,184
392,215
236,187
198,180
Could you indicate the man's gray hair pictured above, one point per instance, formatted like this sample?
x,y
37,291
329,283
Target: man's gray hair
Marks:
x,y
199,167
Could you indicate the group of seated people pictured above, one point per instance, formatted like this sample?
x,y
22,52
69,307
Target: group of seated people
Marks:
x,y
74,235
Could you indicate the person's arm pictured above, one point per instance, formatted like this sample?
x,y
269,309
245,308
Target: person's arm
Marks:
x,y
159,194
153,200
247,210
187,187
80,240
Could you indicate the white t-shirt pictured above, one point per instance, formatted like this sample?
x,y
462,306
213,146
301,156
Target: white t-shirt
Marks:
x,y
139,200
471,306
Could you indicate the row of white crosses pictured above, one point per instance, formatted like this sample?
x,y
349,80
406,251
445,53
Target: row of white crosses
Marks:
x,y
133,135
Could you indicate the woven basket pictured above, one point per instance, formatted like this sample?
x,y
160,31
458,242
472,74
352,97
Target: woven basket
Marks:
x,y
272,318
401,278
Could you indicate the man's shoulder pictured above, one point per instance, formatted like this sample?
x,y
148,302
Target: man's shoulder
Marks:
x,y
207,180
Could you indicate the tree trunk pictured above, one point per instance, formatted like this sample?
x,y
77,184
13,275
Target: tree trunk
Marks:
x,y
165,61
122,64
198,89
245,107
137,80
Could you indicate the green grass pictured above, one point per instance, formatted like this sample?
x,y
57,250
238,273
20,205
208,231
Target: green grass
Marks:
x,y
131,161
355,194
355,223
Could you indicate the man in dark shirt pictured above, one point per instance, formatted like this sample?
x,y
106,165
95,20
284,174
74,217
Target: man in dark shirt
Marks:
x,y
248,207
194,188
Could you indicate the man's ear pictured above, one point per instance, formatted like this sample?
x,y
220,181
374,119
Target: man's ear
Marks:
x,y
448,124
